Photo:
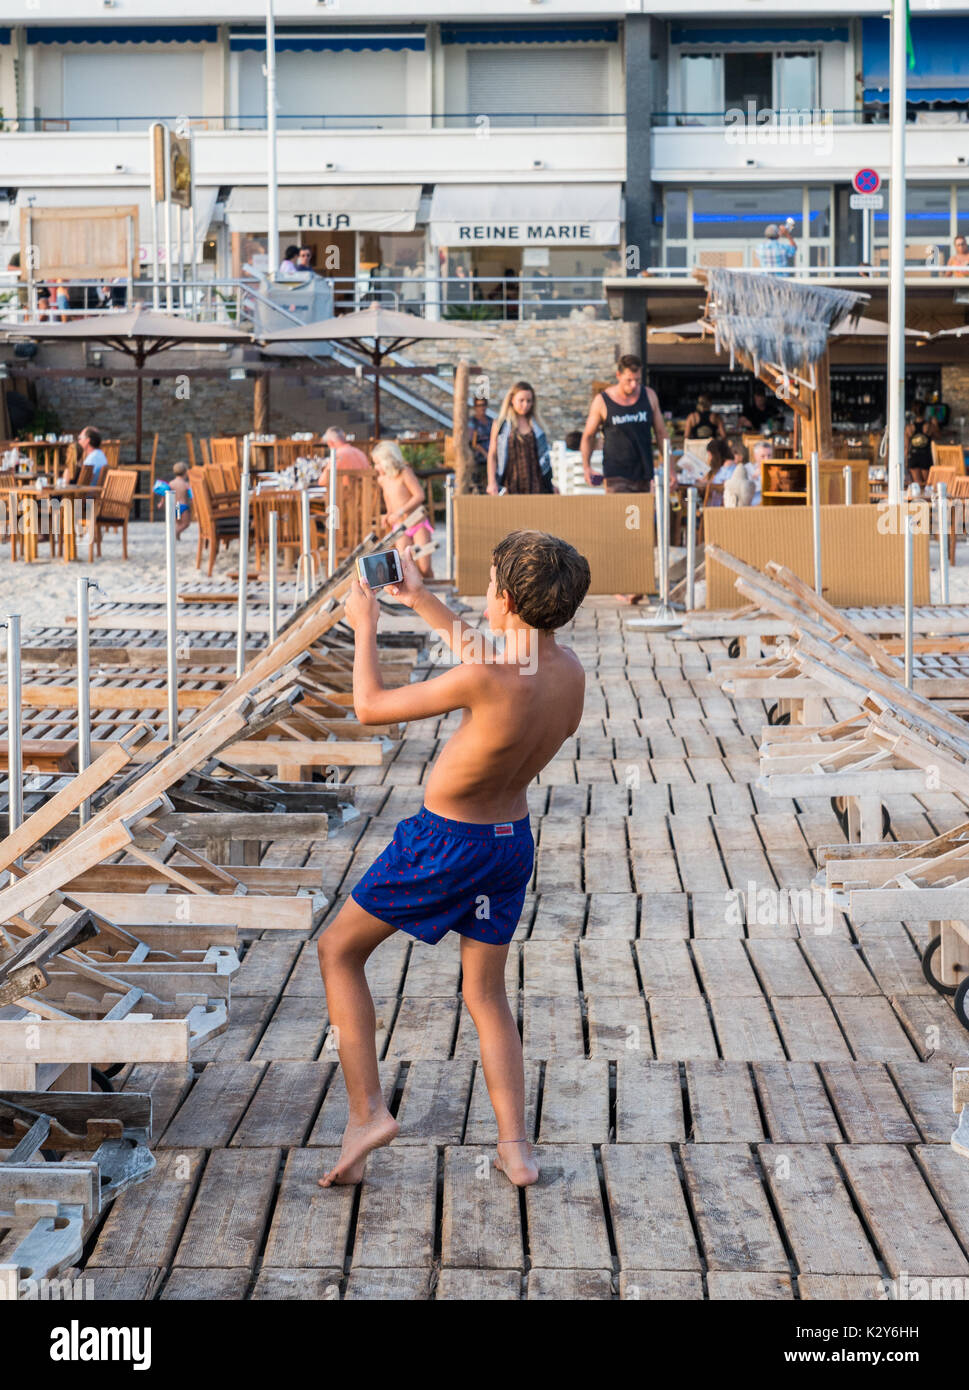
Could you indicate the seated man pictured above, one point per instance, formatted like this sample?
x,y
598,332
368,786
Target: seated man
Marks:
x,y
91,452
348,456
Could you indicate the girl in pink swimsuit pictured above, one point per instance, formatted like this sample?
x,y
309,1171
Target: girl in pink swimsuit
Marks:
x,y
403,492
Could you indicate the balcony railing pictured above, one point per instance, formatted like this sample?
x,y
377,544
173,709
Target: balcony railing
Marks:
x,y
396,120
483,299
795,117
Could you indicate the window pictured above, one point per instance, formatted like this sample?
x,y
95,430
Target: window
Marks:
x,y
722,224
748,81
538,82
796,81
701,84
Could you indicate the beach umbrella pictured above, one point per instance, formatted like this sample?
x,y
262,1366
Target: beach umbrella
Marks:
x,y
139,332
375,332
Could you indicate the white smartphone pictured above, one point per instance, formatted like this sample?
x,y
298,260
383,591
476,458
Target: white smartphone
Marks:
x,y
379,569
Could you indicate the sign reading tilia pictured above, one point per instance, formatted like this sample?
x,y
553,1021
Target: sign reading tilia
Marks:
x,y
346,208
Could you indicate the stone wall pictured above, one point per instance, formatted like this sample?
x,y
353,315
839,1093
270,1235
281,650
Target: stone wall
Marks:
x,y
560,358
955,392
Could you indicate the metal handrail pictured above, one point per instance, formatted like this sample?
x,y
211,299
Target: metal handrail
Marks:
x,y
437,120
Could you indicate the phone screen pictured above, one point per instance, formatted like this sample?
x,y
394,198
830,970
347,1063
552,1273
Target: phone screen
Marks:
x,y
380,569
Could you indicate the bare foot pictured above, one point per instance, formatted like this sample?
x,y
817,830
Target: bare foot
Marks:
x,y
358,1141
628,598
516,1160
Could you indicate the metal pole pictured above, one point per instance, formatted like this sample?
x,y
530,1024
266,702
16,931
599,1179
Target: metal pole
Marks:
x,y
667,519
305,567
896,250
243,560
15,748
272,189
273,603
154,217
691,501
83,689
449,524
816,520
942,498
171,616
848,477
909,567
331,517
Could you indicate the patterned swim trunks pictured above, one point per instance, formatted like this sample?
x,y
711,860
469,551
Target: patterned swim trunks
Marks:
x,y
439,875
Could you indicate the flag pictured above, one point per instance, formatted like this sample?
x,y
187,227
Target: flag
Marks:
x,y
909,46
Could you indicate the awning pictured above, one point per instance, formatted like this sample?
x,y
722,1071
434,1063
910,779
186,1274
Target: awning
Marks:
x,y
941,48
124,33
515,214
529,33
204,200
361,208
329,40
5,35
759,33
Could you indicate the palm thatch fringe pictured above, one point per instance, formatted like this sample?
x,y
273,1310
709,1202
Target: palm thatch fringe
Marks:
x,y
772,319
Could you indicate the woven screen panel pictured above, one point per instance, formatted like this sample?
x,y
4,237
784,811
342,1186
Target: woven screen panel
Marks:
x,y
614,533
862,551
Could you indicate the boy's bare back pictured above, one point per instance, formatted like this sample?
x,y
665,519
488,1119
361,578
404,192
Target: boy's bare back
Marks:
x,y
518,718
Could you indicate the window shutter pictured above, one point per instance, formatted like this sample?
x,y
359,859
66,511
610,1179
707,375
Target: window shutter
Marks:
x,y
538,81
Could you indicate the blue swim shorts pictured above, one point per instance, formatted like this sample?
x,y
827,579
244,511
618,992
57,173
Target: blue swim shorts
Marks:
x,y
440,875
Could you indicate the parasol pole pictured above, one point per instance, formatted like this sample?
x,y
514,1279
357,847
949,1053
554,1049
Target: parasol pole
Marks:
x,y
272,185
243,560
376,394
896,247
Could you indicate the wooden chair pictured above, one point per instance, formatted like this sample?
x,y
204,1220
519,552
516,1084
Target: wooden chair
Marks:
x,y
289,536
190,449
224,450
360,504
204,446
140,469
111,449
286,453
225,497
217,527
9,511
85,475
941,474
113,507
949,456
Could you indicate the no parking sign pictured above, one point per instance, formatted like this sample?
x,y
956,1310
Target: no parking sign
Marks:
x,y
866,181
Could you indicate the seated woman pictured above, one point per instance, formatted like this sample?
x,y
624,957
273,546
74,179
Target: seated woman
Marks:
x,y
741,481
403,492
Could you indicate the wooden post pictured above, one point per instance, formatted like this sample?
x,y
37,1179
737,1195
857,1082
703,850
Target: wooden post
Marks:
x,y
821,408
260,404
463,461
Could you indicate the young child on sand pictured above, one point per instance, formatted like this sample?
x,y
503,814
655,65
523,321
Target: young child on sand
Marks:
x,y
183,497
402,492
464,861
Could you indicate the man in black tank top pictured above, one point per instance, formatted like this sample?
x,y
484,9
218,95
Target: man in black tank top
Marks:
x,y
629,417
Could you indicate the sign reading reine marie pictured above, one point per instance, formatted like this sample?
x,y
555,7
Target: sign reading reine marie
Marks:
x,y
533,233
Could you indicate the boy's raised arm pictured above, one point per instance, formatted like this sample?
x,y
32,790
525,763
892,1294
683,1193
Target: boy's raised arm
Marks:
x,y
373,703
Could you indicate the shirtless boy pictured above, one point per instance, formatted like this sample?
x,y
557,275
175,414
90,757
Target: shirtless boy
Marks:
x,y
464,861
402,492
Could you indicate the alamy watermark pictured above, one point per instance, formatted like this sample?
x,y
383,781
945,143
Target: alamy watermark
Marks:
x,y
811,127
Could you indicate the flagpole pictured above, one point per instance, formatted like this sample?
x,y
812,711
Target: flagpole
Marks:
x,y
896,252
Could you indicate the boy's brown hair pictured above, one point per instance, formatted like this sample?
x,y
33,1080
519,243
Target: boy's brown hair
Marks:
x,y
546,577
179,468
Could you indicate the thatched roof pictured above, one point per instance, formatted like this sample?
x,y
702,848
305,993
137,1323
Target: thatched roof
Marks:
x,y
770,318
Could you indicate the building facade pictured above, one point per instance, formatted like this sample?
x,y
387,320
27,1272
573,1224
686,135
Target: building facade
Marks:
x,y
514,152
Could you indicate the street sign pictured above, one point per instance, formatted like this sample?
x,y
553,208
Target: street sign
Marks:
x,y
866,181
860,201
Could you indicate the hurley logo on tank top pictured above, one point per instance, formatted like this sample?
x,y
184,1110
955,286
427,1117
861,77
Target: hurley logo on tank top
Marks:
x,y
634,417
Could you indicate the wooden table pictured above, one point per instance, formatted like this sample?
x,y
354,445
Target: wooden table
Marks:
x,y
47,456
306,447
68,497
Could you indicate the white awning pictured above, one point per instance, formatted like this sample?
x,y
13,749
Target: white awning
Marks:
x,y
516,214
350,208
203,201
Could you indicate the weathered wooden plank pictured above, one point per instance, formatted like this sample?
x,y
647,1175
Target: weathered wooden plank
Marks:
x,y
284,1105
575,1103
478,1285
618,1025
481,1218
395,1224
310,1226
745,1029
732,1212
214,1107
567,1235
816,1210
900,1211
723,1103
144,1223
435,1101
649,1102
224,1229
681,1028
795,1105
867,1104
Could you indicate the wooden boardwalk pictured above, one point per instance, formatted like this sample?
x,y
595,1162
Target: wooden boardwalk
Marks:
x,y
733,1096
